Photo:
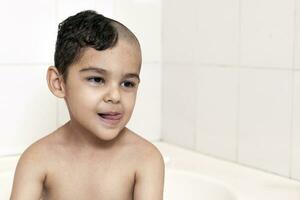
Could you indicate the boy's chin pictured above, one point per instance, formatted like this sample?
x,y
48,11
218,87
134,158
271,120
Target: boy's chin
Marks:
x,y
110,134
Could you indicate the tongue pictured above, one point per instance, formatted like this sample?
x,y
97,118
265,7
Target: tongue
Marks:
x,y
112,117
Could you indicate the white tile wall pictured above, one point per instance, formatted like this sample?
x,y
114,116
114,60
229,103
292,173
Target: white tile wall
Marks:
x,y
27,31
179,31
66,8
217,24
295,139
105,7
261,38
27,108
146,118
297,37
265,119
179,104
143,19
217,95
267,33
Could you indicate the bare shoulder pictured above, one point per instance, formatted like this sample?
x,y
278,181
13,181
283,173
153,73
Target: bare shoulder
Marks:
x,y
38,151
41,146
146,152
42,150
150,170
31,172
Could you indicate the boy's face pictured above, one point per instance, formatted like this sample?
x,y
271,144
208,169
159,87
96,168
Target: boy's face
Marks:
x,y
101,89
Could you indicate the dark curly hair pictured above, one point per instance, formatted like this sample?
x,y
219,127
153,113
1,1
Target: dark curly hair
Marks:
x,y
86,29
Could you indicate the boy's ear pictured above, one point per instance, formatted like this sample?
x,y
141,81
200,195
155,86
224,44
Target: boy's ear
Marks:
x,y
55,82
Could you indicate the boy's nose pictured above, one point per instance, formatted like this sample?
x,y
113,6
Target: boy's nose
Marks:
x,y
112,95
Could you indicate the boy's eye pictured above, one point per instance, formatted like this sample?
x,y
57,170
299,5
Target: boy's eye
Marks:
x,y
128,84
96,80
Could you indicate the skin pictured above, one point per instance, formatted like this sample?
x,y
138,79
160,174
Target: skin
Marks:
x,y
88,158
110,91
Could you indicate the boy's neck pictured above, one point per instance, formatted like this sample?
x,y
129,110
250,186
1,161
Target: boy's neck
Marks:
x,y
87,141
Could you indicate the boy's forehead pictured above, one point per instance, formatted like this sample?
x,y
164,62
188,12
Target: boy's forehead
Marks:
x,y
123,53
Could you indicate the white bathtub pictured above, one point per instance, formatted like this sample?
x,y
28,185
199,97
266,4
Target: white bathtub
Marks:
x,y
193,176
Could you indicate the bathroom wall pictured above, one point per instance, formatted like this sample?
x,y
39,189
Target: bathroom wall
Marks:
x,y
231,80
28,109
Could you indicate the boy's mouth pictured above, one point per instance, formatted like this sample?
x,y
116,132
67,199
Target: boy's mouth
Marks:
x,y
111,115
110,118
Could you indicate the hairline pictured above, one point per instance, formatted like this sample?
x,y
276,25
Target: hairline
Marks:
x,y
123,33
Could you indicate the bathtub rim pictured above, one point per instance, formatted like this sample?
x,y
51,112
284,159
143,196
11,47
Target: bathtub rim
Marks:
x,y
240,178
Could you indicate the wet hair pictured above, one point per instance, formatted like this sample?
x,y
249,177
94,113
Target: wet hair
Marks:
x,y
87,29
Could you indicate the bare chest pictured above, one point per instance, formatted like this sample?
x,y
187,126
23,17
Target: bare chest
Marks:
x,y
90,180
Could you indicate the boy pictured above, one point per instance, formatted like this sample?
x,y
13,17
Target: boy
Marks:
x,y
93,156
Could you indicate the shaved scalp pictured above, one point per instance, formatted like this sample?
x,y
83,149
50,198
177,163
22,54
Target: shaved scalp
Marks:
x,y
125,33
87,29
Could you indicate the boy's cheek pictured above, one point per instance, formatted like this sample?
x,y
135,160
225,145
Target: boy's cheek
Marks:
x,y
132,101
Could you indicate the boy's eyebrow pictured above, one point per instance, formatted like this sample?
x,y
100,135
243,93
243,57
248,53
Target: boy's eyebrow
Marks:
x,y
96,69
103,71
132,75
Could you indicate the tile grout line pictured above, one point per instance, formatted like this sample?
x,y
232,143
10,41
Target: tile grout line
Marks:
x,y
238,83
292,91
238,65
195,70
161,72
